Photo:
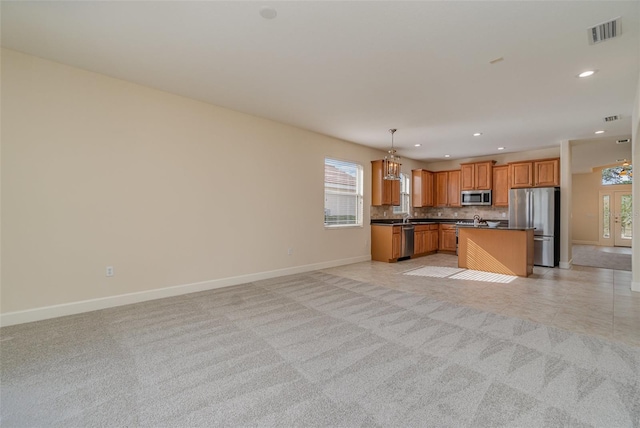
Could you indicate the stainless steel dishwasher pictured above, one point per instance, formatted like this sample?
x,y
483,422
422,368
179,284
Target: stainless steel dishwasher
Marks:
x,y
406,243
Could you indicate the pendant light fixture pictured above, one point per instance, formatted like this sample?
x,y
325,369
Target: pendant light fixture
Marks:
x,y
626,169
392,162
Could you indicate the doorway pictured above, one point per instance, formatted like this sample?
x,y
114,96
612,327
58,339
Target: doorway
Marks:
x,y
616,218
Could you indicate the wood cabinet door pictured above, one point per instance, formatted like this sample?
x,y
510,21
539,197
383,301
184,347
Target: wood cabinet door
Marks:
x,y
483,175
377,184
386,192
449,240
427,188
417,188
441,189
395,192
521,174
453,189
467,173
421,188
500,186
547,172
432,240
395,243
418,238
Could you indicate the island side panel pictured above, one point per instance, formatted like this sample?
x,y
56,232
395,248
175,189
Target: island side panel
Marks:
x,y
504,251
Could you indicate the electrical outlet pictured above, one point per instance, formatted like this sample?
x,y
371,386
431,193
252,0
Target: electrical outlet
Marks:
x,y
109,271
504,215
455,214
290,251
415,214
384,214
439,214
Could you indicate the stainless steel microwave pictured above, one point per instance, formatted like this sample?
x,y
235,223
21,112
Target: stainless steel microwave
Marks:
x,y
475,197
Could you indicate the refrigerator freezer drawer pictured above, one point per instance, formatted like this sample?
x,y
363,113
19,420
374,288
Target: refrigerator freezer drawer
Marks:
x,y
543,251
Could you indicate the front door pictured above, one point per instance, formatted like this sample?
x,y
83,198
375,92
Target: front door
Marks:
x,y
622,219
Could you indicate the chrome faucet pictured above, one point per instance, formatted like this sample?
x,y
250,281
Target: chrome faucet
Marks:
x,y
476,220
406,217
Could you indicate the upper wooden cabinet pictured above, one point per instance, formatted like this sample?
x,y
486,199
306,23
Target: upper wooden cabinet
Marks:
x,y
421,188
453,186
536,173
500,186
383,192
447,188
476,176
521,174
546,172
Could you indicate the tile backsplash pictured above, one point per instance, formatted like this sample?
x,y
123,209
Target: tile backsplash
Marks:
x,y
486,213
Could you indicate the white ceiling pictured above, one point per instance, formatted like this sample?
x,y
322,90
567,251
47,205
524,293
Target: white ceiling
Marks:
x,y
354,69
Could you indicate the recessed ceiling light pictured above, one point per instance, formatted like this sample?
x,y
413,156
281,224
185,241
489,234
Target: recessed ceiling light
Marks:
x,y
477,134
417,145
447,156
599,132
587,73
500,148
268,12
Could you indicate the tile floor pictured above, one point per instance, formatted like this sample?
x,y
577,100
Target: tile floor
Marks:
x,y
583,299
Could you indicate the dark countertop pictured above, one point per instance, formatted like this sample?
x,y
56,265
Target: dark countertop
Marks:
x,y
495,228
418,221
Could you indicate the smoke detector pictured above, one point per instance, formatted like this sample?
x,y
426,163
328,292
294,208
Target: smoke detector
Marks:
x,y
605,31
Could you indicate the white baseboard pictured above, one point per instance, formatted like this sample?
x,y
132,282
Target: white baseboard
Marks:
x,y
635,286
566,265
47,312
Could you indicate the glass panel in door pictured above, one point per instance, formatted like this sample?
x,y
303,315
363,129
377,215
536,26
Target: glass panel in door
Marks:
x,y
623,218
606,216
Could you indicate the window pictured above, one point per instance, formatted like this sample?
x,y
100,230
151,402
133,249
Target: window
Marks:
x,y
405,194
617,175
342,193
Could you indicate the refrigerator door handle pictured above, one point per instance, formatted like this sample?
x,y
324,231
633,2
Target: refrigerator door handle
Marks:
x,y
541,239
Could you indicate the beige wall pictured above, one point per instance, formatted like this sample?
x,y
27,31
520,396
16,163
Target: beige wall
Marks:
x,y
586,206
169,191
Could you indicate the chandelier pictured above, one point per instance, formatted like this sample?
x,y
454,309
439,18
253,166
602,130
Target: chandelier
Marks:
x,y
392,162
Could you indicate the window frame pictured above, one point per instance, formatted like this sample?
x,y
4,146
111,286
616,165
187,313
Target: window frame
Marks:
x,y
358,193
405,195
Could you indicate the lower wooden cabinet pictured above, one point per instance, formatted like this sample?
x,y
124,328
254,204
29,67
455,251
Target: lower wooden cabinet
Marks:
x,y
385,242
447,240
425,239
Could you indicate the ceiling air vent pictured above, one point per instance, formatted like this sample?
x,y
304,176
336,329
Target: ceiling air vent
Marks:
x,y
623,141
612,118
605,31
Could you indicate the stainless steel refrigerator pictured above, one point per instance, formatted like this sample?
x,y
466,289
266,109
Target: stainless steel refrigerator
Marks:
x,y
540,208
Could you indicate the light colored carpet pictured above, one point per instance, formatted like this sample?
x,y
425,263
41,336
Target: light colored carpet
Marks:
x,y
618,258
311,350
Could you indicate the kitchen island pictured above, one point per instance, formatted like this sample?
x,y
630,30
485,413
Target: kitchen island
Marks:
x,y
504,250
